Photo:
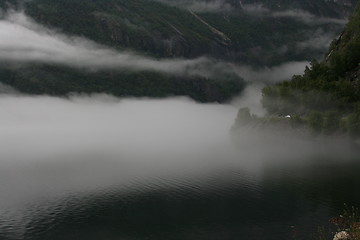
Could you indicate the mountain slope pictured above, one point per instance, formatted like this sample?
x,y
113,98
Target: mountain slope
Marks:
x,y
329,90
156,32
160,30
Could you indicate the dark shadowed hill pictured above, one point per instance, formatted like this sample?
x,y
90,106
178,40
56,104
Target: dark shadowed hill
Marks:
x,y
327,95
253,33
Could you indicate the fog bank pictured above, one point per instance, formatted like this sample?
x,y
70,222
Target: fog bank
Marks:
x,y
200,5
175,130
54,147
259,10
271,74
24,41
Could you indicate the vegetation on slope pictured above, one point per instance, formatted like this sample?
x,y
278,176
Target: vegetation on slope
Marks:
x,y
55,80
155,29
160,30
327,96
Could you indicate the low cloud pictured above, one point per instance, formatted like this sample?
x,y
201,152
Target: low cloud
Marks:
x,y
318,41
125,140
303,16
84,147
251,98
158,134
24,41
255,9
271,75
307,17
200,6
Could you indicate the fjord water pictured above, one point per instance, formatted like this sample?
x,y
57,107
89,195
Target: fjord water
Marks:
x,y
104,168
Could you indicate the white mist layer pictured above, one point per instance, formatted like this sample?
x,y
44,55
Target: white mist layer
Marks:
x,y
52,149
43,126
271,74
200,5
24,41
103,140
143,134
259,10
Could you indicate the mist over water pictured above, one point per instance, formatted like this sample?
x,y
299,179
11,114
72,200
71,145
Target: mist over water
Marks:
x,y
101,140
61,156
137,138
99,167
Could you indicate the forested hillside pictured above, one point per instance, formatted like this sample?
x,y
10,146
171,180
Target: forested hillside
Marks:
x,y
327,95
251,33
161,30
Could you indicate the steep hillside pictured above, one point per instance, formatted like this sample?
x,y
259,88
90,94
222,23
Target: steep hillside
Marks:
x,y
59,81
156,32
328,94
146,26
161,30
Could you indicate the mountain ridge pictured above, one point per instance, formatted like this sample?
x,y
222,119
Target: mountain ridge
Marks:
x,y
159,32
327,96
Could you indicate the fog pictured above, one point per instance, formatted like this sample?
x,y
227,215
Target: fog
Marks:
x,y
142,135
271,74
89,143
106,124
318,40
259,10
200,5
251,98
24,41
256,10
307,17
81,142
56,153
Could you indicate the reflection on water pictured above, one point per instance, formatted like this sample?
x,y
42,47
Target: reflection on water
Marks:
x,y
103,169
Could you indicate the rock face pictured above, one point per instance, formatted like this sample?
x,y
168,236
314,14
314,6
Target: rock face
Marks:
x,y
341,236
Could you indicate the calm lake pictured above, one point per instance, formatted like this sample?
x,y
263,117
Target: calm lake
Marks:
x,y
101,168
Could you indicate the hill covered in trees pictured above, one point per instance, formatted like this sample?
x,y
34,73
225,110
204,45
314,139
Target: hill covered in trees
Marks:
x,y
327,96
234,34
253,33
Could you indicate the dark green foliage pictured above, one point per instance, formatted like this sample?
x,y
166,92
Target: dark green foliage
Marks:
x,y
157,29
328,93
148,27
152,28
56,80
258,41
7,4
142,25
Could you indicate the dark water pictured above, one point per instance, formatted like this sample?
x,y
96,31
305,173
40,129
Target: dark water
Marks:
x,y
287,202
